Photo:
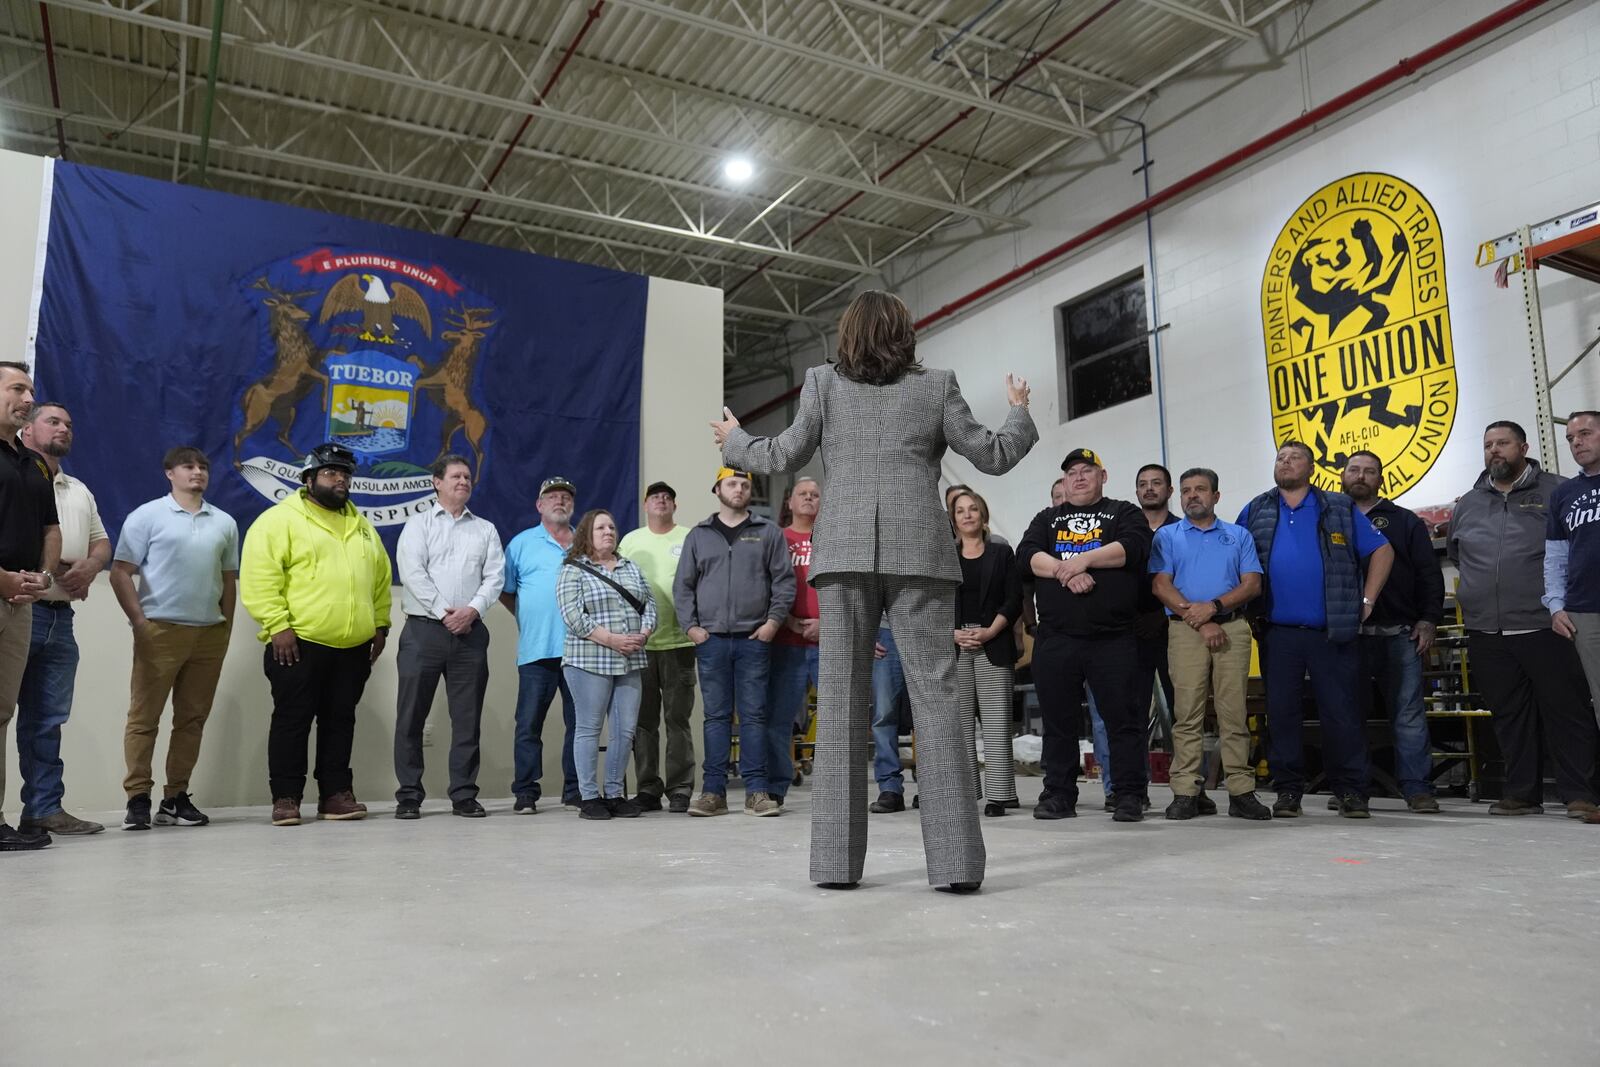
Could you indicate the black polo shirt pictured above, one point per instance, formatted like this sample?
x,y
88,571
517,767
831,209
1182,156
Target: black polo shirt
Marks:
x,y
27,506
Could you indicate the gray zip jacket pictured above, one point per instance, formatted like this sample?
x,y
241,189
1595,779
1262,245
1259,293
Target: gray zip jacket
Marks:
x,y
732,589
1497,543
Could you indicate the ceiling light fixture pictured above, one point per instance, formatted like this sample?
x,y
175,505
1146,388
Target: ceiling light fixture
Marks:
x,y
738,169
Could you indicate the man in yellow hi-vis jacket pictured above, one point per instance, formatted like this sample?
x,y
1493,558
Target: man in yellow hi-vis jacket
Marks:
x,y
316,577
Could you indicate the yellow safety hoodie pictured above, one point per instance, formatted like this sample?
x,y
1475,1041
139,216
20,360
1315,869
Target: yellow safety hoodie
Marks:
x,y
298,571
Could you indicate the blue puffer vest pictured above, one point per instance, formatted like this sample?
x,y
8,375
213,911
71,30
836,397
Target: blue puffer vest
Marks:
x,y
1341,567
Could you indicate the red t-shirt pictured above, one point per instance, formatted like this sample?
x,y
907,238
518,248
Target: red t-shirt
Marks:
x,y
805,597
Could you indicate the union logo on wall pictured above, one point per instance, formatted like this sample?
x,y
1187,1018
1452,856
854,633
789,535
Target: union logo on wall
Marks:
x,y
1356,320
353,354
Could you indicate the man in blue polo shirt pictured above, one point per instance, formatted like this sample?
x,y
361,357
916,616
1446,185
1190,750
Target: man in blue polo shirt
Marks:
x,y
533,563
1205,572
1311,544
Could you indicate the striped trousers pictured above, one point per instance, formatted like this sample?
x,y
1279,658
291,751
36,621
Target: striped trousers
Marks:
x,y
919,610
986,693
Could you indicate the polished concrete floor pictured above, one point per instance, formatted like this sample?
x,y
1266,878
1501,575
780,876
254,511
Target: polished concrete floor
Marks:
x,y
1452,940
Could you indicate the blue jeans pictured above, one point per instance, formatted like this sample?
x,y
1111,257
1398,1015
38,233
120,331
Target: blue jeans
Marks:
x,y
1290,653
791,671
537,684
1394,662
888,686
733,676
599,696
1102,746
43,704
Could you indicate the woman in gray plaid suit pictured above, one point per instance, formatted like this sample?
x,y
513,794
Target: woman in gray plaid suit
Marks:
x,y
882,541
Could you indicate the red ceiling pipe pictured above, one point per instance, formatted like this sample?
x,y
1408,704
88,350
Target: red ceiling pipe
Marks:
x,y
516,138
1404,68
921,146
50,67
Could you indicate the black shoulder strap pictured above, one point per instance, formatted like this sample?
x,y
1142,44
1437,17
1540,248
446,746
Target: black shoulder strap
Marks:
x,y
638,605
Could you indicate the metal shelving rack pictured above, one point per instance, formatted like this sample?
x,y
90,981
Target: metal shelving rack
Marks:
x,y
1569,243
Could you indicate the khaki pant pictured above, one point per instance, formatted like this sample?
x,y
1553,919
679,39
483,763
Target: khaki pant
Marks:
x,y
16,634
1587,642
1196,673
185,662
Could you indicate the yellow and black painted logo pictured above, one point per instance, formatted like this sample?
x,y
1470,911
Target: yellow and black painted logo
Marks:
x,y
1356,320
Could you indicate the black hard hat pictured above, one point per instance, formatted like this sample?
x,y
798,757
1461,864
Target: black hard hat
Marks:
x,y
327,455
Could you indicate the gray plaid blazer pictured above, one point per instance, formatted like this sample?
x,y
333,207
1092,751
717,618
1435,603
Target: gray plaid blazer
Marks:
x,y
881,446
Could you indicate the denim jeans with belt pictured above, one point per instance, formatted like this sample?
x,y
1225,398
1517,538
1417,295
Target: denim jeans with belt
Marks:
x,y
43,705
537,684
733,677
1392,659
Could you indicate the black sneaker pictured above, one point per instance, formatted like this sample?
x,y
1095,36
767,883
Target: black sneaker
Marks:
x,y
1129,809
888,801
1333,802
525,805
648,802
1054,807
1204,804
622,808
572,803
992,809
1183,808
594,809
1111,802
138,817
1354,806
408,809
1287,806
468,809
678,803
1247,806
180,811
17,841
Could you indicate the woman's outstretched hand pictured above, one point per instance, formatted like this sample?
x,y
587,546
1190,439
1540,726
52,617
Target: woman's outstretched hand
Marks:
x,y
1016,391
721,430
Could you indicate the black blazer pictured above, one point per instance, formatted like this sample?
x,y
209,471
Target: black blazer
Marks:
x,y
999,593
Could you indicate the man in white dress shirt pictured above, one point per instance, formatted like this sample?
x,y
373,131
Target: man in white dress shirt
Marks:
x,y
452,568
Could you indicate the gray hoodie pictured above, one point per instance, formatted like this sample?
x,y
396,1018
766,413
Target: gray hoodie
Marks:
x,y
732,589
1497,543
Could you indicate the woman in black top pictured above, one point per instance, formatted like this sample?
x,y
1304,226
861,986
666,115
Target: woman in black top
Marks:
x,y
989,600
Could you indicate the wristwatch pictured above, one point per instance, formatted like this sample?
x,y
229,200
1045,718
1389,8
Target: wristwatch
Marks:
x,y
1217,603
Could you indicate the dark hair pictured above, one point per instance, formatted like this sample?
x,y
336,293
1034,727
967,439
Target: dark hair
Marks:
x,y
1201,472
1311,457
178,455
1370,455
1152,467
34,413
14,365
1584,415
583,536
446,461
950,491
1507,424
983,510
877,343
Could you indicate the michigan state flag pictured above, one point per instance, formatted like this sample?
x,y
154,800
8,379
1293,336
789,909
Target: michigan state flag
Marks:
x,y
172,315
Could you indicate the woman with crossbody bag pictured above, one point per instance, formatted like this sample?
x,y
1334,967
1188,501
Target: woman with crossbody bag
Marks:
x,y
606,605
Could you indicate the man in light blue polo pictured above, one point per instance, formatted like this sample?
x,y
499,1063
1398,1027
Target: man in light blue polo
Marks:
x,y
533,563
1205,571
175,574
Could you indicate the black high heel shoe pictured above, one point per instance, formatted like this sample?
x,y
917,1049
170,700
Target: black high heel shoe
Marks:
x,y
959,888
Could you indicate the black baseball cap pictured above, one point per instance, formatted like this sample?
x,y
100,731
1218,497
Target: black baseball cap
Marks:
x,y
660,487
1082,455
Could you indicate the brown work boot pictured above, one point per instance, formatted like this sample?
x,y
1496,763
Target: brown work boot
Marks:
x,y
286,811
70,825
761,804
709,804
1576,809
341,806
1513,806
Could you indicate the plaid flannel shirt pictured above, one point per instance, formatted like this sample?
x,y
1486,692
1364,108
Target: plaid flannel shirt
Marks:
x,y
587,602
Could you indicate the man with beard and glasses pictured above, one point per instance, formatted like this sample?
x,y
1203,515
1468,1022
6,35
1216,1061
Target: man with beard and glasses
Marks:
x,y
1152,491
1313,602
30,550
1529,675
316,577
45,700
1401,628
734,589
534,559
